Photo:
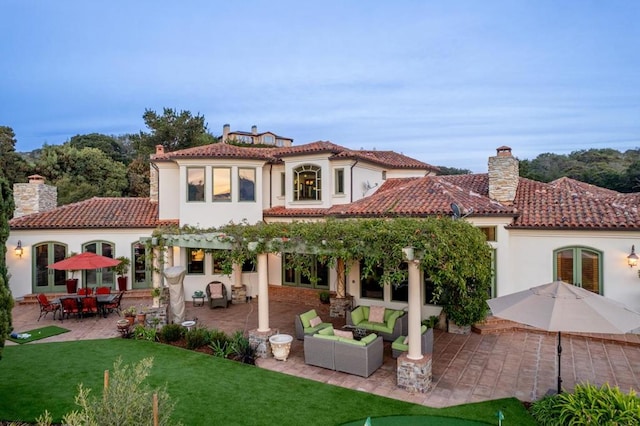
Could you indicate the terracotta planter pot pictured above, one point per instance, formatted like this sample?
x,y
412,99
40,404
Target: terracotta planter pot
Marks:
x,y
141,318
130,319
122,283
72,285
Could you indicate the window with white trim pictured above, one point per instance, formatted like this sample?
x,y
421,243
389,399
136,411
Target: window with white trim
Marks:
x,y
307,183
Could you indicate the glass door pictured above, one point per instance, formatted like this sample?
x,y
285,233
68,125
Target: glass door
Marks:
x,y
102,277
48,280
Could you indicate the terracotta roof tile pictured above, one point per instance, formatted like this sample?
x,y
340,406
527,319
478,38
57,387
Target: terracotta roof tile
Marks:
x,y
563,204
388,159
95,213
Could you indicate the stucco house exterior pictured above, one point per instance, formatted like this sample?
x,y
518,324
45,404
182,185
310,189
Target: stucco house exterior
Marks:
x,y
539,231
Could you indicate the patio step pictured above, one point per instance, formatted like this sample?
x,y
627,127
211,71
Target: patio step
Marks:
x,y
144,293
492,325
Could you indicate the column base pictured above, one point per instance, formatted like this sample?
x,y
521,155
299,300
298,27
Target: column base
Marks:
x,y
414,375
340,307
260,341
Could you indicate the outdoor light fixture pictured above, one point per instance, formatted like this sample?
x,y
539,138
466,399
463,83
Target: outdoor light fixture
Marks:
x,y
18,249
632,259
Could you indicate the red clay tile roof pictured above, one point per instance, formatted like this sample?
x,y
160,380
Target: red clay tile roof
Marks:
x,y
95,213
387,159
563,204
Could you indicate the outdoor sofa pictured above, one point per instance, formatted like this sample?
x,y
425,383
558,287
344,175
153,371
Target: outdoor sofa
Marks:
x,y
359,357
392,326
303,324
426,341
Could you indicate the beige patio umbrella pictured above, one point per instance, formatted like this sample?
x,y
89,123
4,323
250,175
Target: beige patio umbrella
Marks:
x,y
559,306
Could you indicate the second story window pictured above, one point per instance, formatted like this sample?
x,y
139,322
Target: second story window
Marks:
x,y
195,184
246,184
307,183
339,181
221,184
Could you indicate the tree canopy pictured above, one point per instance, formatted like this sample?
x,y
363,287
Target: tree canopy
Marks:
x,y
607,168
6,300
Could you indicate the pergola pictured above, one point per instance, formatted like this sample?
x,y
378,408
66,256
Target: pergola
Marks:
x,y
220,241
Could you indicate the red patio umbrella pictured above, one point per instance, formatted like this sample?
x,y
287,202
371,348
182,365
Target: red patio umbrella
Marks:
x,y
82,261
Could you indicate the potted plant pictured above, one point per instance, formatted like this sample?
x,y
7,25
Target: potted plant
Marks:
x,y
71,283
141,316
122,269
324,297
130,314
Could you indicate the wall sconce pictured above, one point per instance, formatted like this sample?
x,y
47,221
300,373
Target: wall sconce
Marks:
x,y
632,259
18,249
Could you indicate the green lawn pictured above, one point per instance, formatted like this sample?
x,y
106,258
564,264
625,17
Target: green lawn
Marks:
x,y
208,390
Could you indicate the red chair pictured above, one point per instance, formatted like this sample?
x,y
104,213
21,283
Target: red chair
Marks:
x,y
70,306
89,305
85,291
103,290
46,306
113,305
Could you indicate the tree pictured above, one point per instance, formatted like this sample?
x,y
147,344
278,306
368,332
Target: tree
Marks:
x,y
6,300
80,174
173,130
12,166
111,146
453,171
138,176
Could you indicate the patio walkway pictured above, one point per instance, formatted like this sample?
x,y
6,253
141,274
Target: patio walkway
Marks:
x,y
466,368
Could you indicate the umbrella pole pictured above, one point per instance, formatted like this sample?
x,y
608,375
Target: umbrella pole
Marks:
x,y
559,363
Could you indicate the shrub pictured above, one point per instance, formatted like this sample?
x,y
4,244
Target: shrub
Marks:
x,y
219,343
126,401
197,337
141,332
589,405
171,333
241,350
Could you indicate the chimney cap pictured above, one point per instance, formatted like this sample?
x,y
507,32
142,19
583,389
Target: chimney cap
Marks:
x,y
36,179
503,151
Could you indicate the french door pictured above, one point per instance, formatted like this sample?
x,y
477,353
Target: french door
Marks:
x,y
579,266
48,280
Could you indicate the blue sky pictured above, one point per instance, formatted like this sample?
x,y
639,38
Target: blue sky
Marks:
x,y
446,82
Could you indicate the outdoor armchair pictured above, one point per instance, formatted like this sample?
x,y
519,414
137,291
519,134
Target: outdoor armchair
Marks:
x,y
46,306
217,294
114,305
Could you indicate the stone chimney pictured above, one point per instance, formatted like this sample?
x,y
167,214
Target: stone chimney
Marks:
x,y
503,176
34,197
225,132
254,130
159,149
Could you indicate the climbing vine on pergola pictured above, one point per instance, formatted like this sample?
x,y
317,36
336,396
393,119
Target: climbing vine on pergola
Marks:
x,y
453,254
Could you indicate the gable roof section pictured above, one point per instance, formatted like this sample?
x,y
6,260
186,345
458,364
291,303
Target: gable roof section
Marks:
x,y
562,204
387,159
95,213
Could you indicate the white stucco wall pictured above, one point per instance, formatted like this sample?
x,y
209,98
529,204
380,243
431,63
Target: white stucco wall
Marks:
x,y
532,261
20,268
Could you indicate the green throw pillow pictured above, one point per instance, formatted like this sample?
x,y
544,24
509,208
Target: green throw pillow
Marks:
x,y
327,331
357,315
308,316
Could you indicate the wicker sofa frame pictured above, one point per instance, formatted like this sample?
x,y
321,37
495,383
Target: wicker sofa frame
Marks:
x,y
344,357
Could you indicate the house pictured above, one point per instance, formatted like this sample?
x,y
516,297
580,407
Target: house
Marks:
x,y
254,138
539,232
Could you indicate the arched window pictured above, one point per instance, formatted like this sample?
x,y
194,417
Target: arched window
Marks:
x,y
580,266
307,183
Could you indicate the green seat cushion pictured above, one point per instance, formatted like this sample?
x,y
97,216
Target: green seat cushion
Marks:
x,y
423,329
324,336
322,325
307,316
391,319
399,345
352,341
326,331
357,315
382,327
370,338
365,311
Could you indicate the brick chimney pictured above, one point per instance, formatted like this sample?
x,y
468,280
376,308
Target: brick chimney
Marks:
x,y
34,197
225,132
503,176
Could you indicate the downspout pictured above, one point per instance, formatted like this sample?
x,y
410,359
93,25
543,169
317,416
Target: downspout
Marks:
x,y
351,178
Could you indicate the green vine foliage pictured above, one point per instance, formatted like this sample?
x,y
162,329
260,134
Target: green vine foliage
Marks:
x,y
6,300
454,255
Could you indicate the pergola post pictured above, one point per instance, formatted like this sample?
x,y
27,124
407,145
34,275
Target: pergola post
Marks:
x,y
415,351
263,293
